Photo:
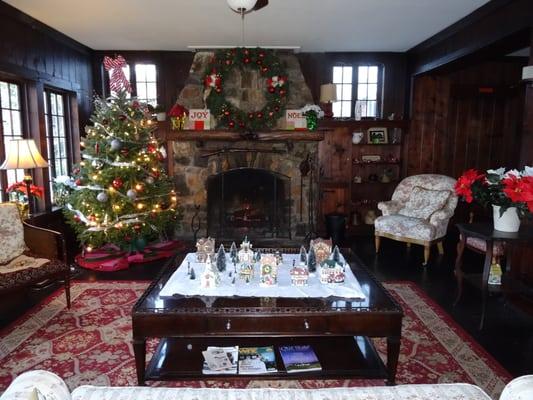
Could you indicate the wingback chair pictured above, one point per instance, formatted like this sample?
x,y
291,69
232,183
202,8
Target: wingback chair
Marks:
x,y
419,212
29,254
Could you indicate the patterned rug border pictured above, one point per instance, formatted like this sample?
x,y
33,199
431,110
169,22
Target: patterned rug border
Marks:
x,y
458,329
19,330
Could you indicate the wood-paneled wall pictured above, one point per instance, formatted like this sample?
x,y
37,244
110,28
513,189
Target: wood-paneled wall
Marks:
x,y
466,119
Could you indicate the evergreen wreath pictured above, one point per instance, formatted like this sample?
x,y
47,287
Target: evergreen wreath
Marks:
x,y
277,88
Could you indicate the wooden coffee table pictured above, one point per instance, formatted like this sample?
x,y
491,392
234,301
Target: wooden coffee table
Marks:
x,y
339,330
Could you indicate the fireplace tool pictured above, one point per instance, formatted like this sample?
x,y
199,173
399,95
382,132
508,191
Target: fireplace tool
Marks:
x,y
310,206
305,167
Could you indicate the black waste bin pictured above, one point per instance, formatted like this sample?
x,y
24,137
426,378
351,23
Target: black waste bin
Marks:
x,y
336,227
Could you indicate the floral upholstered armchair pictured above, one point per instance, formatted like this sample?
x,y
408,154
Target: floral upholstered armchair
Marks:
x,y
29,254
419,212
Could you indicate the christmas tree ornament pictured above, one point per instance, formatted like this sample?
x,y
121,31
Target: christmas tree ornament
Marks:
x,y
149,180
221,258
311,260
124,151
336,254
303,255
116,144
97,164
97,148
233,250
102,197
151,148
132,194
117,183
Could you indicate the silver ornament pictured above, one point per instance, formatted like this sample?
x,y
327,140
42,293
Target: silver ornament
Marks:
x,y
149,180
97,164
116,144
102,197
132,194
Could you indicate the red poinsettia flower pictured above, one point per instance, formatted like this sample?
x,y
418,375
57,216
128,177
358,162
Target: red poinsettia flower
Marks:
x,y
519,189
463,187
178,110
213,80
20,187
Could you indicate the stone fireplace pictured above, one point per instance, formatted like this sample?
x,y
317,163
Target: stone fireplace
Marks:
x,y
230,186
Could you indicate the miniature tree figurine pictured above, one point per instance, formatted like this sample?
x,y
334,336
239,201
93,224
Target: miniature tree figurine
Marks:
x,y
233,252
336,254
258,255
311,260
192,274
303,255
221,258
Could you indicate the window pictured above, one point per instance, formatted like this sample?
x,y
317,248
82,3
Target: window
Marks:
x,y
55,112
126,71
367,89
11,128
357,84
342,77
146,83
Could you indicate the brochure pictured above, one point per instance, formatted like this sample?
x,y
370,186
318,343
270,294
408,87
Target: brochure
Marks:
x,y
220,360
299,358
257,360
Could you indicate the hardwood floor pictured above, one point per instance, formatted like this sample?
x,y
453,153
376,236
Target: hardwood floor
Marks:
x,y
506,335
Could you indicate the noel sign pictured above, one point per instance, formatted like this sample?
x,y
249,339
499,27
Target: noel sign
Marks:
x,y
199,119
295,120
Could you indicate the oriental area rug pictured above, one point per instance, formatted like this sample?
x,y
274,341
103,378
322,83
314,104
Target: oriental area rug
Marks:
x,y
91,343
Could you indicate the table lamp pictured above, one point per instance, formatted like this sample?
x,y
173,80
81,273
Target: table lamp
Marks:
x,y
328,94
23,154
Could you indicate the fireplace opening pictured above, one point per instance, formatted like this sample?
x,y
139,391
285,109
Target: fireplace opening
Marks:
x,y
248,201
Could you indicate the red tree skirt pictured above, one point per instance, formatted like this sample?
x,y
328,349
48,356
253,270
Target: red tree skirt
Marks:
x,y
110,258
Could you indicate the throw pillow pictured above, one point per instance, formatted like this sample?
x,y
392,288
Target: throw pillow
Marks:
x,y
424,202
11,233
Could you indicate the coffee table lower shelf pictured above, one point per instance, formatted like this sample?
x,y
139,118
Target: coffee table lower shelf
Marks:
x,y
341,357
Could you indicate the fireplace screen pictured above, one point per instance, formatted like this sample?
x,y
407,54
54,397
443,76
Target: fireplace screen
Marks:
x,y
248,201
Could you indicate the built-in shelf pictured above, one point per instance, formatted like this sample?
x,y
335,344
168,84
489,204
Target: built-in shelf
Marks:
x,y
376,144
361,164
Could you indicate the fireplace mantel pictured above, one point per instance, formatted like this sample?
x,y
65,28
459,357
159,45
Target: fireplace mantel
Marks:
x,y
231,136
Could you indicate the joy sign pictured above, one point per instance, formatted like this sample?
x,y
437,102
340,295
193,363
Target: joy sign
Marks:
x,y
199,119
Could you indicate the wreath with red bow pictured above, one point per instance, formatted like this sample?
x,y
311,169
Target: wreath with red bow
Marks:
x,y
277,88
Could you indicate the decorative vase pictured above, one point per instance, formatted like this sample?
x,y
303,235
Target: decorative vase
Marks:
x,y
508,222
312,121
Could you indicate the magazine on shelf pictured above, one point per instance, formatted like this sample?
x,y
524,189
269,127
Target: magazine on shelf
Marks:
x,y
220,360
257,360
299,359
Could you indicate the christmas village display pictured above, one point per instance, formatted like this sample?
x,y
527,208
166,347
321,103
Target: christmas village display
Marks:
x,y
320,261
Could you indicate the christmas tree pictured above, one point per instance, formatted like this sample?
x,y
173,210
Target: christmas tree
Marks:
x,y
221,258
122,195
336,254
311,260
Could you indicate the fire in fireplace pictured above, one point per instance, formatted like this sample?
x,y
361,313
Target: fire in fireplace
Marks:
x,y
248,201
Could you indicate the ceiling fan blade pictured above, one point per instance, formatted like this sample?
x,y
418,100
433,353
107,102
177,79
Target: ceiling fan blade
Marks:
x,y
260,4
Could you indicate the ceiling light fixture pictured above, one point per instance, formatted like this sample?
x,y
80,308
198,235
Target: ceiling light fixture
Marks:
x,y
242,6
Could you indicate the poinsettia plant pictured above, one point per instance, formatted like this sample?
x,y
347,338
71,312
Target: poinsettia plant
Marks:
x,y
19,191
498,187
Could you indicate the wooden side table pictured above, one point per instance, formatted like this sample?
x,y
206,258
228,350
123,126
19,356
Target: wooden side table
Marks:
x,y
486,232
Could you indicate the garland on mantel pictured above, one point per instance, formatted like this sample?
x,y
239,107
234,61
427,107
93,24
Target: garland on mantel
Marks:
x,y
277,87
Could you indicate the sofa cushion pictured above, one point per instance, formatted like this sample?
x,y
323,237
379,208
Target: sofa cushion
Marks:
x,y
406,227
20,275
44,384
424,202
11,233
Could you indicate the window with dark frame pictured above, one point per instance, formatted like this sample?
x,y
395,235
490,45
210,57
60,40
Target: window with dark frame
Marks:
x,y
146,83
56,114
358,84
11,128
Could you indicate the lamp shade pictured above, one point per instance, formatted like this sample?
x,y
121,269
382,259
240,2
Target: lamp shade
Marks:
x,y
244,5
23,154
328,93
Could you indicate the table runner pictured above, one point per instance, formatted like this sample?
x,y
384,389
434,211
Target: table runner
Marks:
x,y
181,284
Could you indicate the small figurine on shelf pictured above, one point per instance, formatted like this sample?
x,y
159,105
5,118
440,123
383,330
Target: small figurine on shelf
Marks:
x,y
192,274
178,115
279,257
299,275
269,270
257,256
303,255
204,247
245,254
322,248
221,258
233,252
246,272
210,277
331,272
311,260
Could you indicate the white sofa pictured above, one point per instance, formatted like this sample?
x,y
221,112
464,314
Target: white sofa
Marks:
x,y
44,385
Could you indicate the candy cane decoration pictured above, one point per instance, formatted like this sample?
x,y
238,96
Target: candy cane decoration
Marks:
x,y
118,80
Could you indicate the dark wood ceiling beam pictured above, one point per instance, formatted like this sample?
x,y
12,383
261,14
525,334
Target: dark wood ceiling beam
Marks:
x,y
496,27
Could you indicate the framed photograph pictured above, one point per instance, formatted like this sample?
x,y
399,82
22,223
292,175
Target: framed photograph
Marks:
x,y
377,136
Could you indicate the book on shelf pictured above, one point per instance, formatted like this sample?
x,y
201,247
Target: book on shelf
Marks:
x,y
299,358
220,360
257,360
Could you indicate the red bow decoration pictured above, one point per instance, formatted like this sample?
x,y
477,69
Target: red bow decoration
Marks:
x,y
118,80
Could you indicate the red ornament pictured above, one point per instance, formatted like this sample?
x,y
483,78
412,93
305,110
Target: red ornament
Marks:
x,y
261,54
156,174
264,70
246,51
228,62
77,182
124,151
251,115
218,89
259,115
276,108
282,92
137,228
271,89
97,148
271,114
135,104
117,183
246,60
77,218
241,124
122,117
226,113
231,124
151,148
259,62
